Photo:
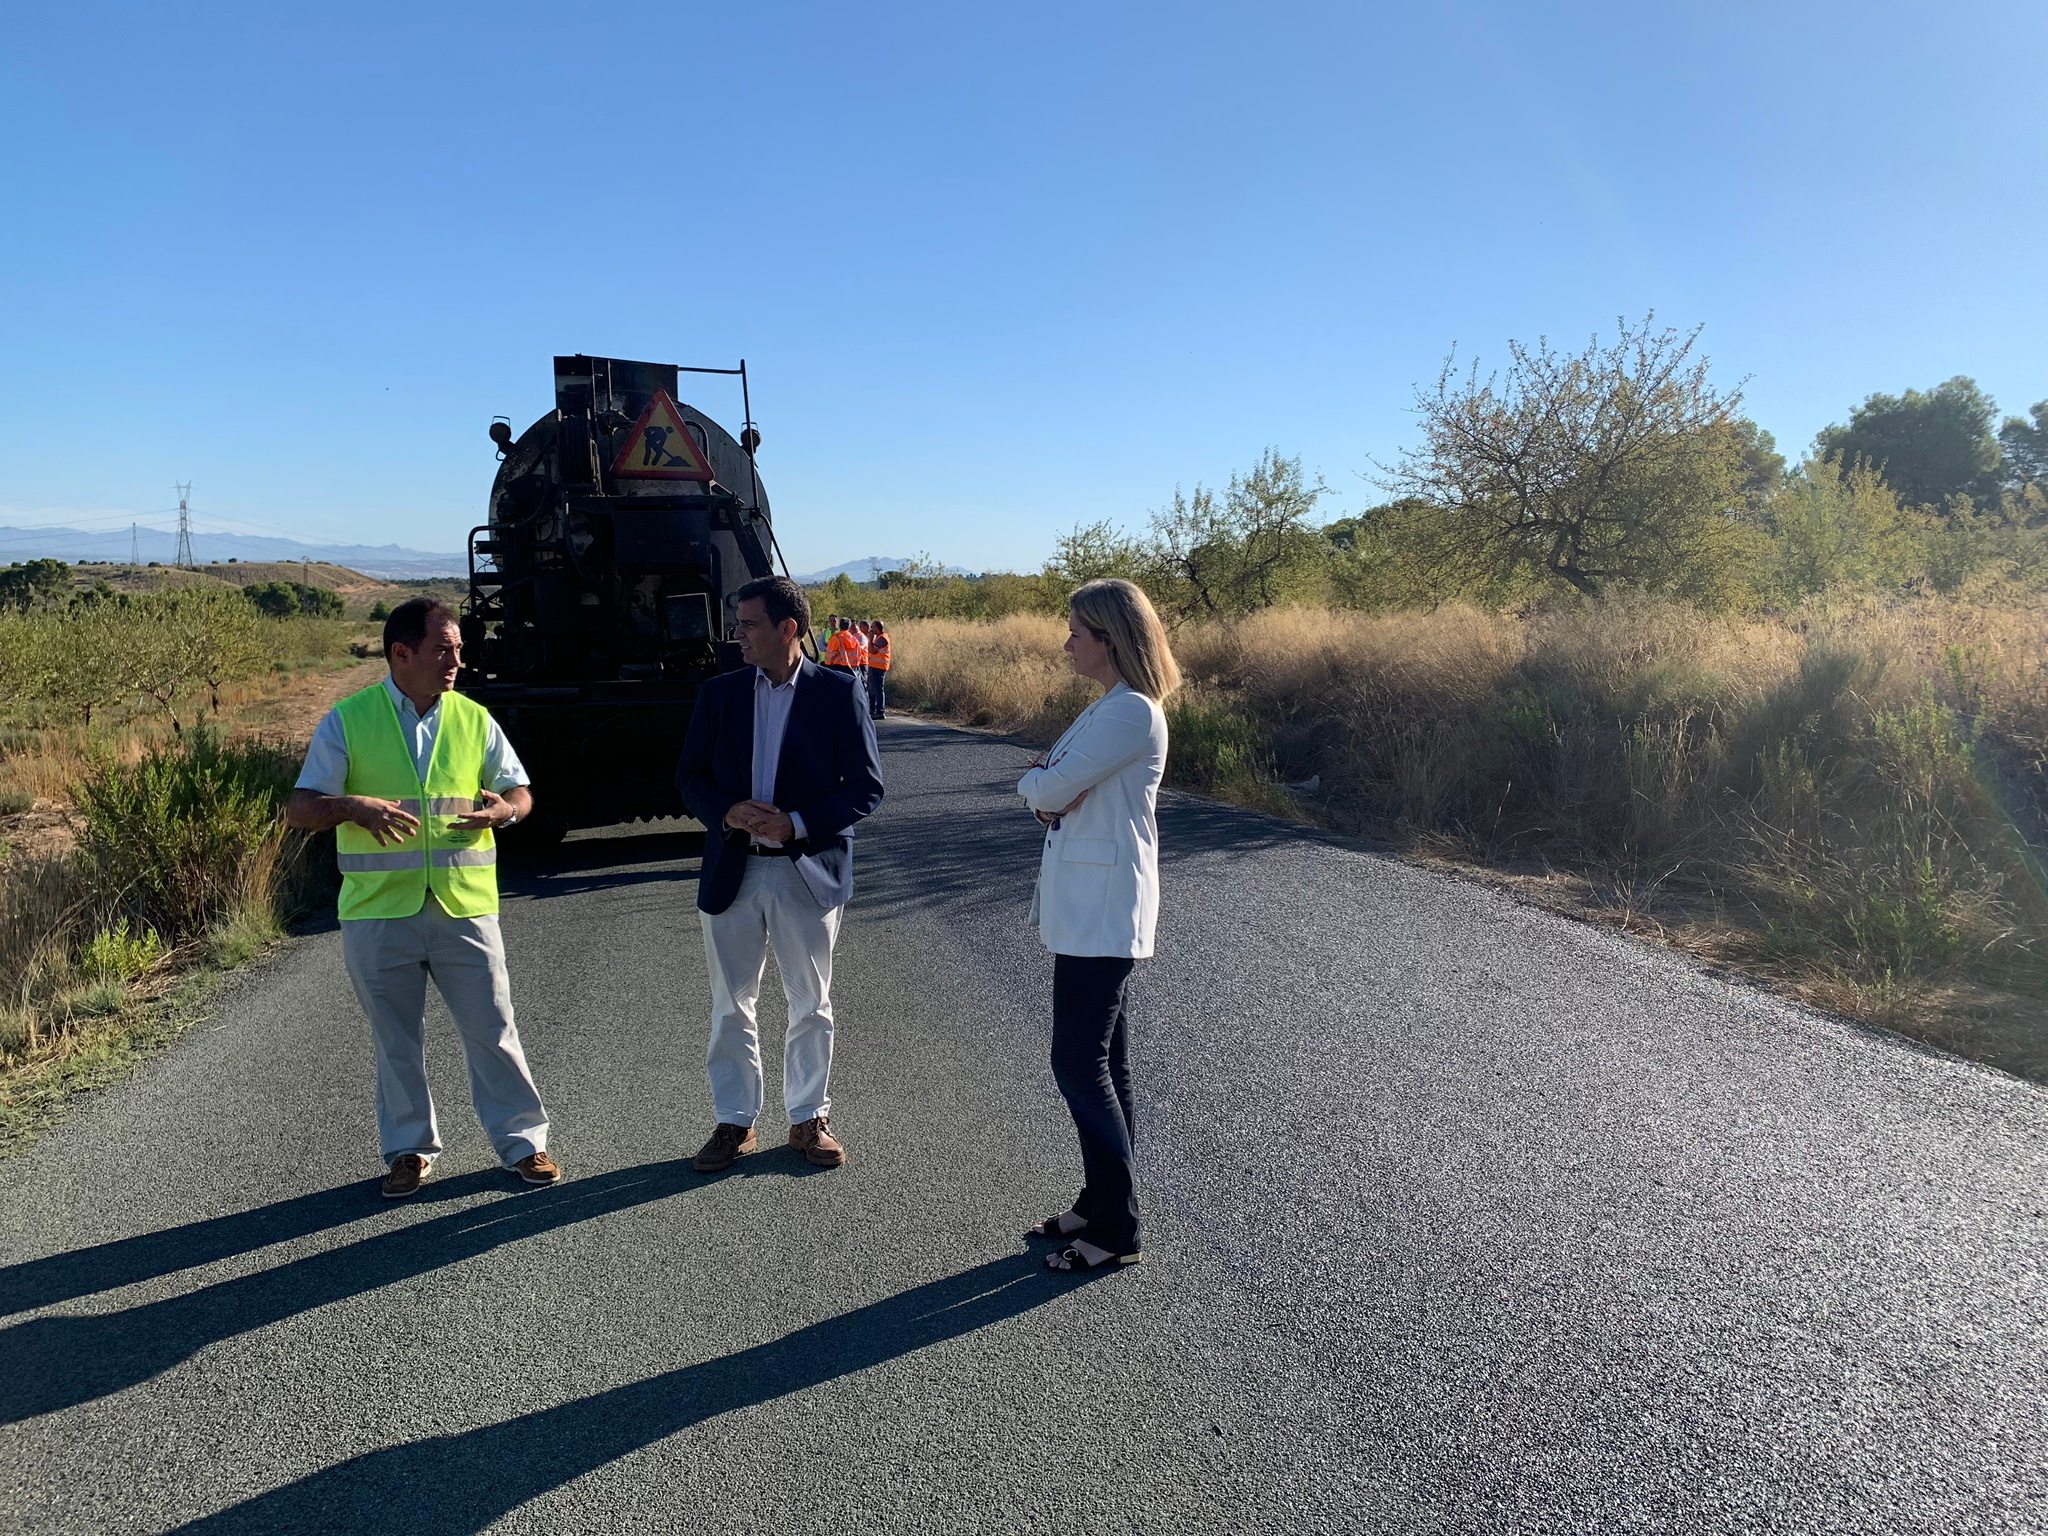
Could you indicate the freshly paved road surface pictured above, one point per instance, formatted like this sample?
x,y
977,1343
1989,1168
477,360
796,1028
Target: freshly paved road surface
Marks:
x,y
1463,1218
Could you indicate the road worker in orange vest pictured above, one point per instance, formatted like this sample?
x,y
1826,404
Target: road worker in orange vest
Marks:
x,y
840,651
878,669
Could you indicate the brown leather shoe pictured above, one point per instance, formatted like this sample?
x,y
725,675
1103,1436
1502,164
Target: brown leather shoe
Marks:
x,y
408,1171
815,1140
728,1144
538,1169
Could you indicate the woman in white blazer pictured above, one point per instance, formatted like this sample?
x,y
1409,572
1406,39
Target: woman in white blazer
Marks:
x,y
1097,900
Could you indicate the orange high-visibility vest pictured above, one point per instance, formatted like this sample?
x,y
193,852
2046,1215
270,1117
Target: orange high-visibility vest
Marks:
x,y
839,651
857,646
878,653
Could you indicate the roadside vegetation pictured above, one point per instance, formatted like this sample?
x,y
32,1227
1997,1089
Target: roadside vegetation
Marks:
x,y
146,748
1602,643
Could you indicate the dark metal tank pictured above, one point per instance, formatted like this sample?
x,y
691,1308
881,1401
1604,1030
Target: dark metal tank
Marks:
x,y
602,590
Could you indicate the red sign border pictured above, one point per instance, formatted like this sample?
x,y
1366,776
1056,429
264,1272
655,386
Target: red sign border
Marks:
x,y
700,467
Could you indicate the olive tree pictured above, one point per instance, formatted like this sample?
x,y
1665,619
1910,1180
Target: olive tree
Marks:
x,y
1617,466
1254,545
222,635
69,661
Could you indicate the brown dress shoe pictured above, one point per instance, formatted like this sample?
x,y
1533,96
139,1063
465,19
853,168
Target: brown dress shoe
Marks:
x,y
728,1144
815,1140
408,1172
538,1169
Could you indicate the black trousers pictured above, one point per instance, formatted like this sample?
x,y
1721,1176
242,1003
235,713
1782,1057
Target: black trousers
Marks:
x,y
1090,1061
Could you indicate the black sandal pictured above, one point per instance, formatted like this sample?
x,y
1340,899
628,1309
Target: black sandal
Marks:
x,y
1051,1230
1071,1258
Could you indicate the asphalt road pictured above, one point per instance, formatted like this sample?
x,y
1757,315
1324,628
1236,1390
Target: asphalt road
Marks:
x,y
1462,1218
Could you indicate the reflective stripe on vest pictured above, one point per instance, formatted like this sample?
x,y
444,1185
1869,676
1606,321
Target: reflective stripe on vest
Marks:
x,y
458,864
878,654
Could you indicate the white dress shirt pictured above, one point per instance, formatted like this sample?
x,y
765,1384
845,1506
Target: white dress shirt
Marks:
x,y
772,703
326,769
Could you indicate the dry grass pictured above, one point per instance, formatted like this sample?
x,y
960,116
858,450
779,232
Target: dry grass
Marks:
x,y
1851,802
1008,675
113,915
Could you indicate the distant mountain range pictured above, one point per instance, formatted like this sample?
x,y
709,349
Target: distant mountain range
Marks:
x,y
867,568
388,562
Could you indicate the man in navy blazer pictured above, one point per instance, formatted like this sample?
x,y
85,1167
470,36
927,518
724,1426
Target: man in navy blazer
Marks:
x,y
779,764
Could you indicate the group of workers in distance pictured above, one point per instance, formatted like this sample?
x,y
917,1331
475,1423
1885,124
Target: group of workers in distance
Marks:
x,y
859,646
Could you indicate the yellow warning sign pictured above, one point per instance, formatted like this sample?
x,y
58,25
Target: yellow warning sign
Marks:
x,y
660,446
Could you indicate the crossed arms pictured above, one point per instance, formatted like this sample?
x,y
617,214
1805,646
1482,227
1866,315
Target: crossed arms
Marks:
x,y
1110,741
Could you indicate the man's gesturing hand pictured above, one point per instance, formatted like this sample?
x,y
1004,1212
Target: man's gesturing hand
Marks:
x,y
385,820
495,811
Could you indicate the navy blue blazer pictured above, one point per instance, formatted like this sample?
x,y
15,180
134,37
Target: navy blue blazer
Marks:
x,y
830,775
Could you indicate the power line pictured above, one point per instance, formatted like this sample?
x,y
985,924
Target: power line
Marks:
x,y
185,525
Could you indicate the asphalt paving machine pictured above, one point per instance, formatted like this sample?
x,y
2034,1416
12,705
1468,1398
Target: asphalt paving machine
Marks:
x,y
603,589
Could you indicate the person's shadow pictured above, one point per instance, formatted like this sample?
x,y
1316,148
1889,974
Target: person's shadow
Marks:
x,y
463,1482
50,1363
36,1283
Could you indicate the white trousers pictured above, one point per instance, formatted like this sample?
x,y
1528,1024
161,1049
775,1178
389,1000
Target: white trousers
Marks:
x,y
773,907
389,960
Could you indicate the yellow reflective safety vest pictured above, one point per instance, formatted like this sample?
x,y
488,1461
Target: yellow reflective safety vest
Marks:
x,y
459,864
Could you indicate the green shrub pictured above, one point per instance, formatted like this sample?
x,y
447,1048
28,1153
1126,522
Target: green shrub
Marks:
x,y
1216,750
188,834
242,935
14,801
114,954
293,599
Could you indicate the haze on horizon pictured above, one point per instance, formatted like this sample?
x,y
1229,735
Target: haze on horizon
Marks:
x,y
994,275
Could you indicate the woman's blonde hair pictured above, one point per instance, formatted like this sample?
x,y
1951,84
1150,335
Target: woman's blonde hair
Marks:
x,y
1121,617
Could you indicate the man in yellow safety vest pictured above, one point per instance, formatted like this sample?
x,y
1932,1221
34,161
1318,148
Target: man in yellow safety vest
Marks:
x,y
414,777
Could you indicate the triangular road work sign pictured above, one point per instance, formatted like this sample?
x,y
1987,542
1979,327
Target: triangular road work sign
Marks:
x,y
660,446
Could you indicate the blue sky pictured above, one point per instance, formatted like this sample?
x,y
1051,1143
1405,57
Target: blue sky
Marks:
x,y
995,270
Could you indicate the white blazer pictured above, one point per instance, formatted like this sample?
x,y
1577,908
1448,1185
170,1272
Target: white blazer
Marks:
x,y
1098,877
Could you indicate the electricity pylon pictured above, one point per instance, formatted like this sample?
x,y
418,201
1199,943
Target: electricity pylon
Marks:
x,y
184,525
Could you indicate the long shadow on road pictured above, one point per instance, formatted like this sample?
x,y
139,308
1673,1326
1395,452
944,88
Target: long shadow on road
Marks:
x,y
109,1266
51,1363
461,1483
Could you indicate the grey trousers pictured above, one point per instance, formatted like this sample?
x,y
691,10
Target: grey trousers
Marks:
x,y
389,960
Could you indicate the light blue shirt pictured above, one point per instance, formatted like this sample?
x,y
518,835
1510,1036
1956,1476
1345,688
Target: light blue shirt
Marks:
x,y
326,770
771,723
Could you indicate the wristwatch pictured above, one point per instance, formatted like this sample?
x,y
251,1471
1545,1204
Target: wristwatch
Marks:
x,y
509,820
